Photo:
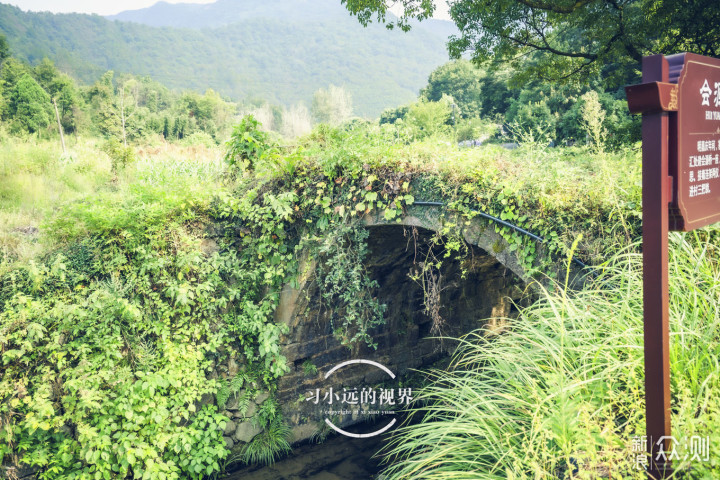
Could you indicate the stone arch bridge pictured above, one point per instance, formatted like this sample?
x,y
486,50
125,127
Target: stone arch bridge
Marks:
x,y
470,292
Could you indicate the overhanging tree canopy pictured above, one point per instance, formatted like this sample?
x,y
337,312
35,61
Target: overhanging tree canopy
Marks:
x,y
565,39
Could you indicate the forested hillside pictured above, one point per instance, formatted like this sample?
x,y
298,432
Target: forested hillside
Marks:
x,y
226,12
281,57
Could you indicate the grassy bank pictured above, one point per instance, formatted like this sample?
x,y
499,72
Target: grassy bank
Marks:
x,y
561,394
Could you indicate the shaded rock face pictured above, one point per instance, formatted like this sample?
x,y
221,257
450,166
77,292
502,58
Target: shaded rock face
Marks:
x,y
19,472
240,428
453,300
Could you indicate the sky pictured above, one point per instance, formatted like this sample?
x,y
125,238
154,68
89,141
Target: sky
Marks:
x,y
113,7
89,6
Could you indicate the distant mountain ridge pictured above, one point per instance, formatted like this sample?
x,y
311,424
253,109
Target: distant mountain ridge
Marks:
x,y
226,12
278,50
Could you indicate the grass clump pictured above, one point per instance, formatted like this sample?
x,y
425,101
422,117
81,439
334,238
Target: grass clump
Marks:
x,y
561,394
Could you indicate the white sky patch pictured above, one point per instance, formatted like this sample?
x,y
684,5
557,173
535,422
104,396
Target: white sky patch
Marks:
x,y
89,6
113,7
441,10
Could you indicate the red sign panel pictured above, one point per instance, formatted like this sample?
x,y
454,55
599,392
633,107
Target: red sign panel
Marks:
x,y
697,166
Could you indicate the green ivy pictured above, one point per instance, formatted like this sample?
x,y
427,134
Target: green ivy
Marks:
x,y
345,286
107,354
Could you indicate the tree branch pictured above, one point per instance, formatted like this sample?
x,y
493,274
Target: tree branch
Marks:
x,y
553,6
548,48
579,69
629,47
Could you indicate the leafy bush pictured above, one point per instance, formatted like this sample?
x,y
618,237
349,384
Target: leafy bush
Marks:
x,y
199,138
427,118
531,117
475,129
107,348
29,106
622,128
391,115
463,81
120,156
247,145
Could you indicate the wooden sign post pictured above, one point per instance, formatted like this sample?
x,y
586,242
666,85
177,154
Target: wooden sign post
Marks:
x,y
680,102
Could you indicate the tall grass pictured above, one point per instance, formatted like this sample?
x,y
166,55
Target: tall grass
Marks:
x,y
35,176
36,179
560,395
168,163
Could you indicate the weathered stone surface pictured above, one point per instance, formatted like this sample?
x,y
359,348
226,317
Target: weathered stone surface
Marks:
x,y
290,296
251,409
472,289
306,348
230,428
207,399
233,367
246,431
261,397
232,402
229,442
22,472
303,430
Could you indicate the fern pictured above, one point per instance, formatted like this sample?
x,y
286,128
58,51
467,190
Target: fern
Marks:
x,y
222,394
267,446
232,387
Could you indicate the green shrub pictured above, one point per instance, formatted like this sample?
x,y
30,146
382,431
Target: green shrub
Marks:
x,y
199,138
247,145
120,155
391,115
107,347
475,129
426,118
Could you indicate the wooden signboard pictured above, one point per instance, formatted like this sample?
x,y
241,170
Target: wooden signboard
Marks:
x,y
697,170
680,102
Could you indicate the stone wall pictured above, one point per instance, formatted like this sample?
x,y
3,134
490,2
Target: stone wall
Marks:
x,y
472,289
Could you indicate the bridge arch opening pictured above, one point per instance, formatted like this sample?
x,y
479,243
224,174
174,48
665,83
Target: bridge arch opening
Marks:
x,y
440,292
459,294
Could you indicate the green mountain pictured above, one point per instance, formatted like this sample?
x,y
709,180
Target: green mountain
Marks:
x,y
226,12
278,50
